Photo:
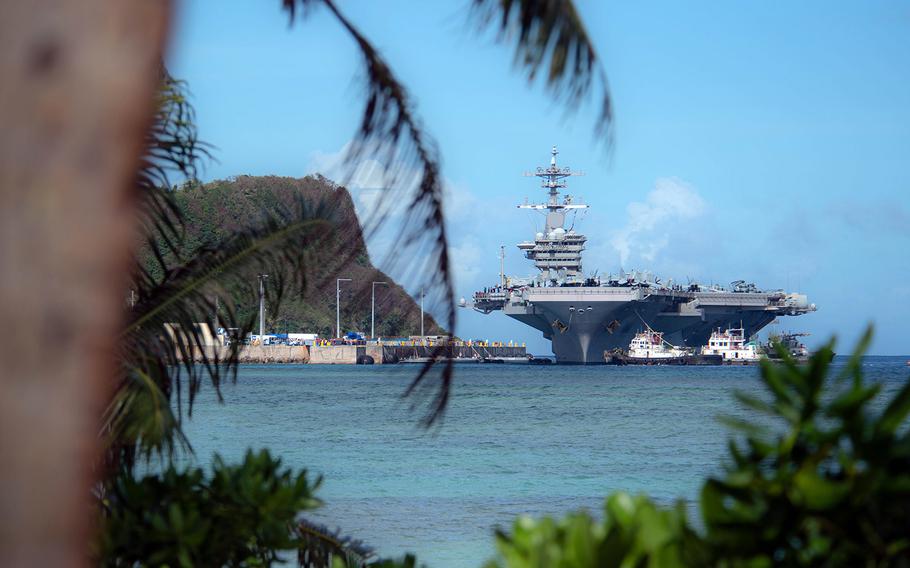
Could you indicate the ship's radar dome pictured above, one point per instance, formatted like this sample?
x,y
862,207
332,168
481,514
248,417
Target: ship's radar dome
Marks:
x,y
538,236
559,233
462,302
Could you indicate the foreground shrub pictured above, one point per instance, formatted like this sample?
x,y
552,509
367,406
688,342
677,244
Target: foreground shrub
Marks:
x,y
634,532
242,515
828,482
820,476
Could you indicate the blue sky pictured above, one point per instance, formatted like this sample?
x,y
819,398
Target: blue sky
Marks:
x,y
763,141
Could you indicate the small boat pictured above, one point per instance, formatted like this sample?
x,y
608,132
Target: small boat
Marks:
x,y
417,360
650,348
650,344
790,342
488,360
733,347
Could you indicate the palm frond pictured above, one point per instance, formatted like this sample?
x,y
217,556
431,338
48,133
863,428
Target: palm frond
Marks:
x,y
175,287
391,134
139,421
317,546
163,340
172,143
550,39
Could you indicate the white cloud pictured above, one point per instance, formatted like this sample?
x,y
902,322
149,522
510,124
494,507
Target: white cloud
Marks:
x,y
465,261
368,173
646,231
459,203
366,184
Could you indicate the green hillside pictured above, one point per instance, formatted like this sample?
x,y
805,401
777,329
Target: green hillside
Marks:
x,y
215,209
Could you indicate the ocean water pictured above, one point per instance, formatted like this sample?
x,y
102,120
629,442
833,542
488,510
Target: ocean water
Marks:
x,y
515,440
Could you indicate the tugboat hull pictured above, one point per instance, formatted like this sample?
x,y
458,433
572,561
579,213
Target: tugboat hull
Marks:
x,y
695,360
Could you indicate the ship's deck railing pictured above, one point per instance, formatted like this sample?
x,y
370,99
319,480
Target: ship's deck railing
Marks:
x,y
490,295
743,302
569,249
753,299
583,290
738,299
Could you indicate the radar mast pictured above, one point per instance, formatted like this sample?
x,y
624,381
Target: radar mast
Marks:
x,y
556,252
553,179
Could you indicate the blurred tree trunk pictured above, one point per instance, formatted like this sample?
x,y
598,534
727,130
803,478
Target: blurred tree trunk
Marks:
x,y
77,92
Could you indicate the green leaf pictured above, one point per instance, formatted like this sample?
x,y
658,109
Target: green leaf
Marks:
x,y
895,413
620,508
854,367
816,492
850,401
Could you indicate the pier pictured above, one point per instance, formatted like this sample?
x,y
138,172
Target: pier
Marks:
x,y
372,353
355,350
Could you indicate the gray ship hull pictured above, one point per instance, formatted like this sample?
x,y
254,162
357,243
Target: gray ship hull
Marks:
x,y
584,323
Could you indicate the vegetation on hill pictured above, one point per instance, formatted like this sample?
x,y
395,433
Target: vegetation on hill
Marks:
x,y
215,210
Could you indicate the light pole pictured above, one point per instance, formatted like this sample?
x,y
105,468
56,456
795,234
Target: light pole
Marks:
x,y
338,282
215,319
422,294
373,309
262,278
502,267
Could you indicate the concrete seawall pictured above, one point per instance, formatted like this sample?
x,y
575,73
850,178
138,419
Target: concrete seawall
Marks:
x,y
395,353
349,354
345,354
263,353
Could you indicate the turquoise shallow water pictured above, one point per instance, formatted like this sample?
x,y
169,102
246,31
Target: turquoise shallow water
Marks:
x,y
516,439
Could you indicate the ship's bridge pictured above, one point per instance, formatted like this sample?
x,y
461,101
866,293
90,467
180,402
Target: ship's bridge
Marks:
x,y
556,251
559,251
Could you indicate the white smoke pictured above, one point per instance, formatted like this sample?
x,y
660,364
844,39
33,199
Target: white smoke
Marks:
x,y
465,258
646,232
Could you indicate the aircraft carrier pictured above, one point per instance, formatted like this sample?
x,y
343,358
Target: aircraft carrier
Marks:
x,y
584,317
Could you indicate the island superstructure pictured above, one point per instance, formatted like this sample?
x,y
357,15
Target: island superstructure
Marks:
x,y
585,316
